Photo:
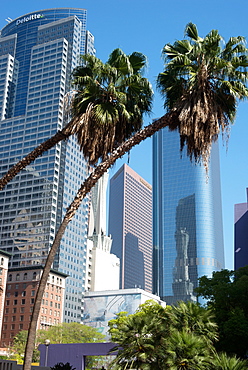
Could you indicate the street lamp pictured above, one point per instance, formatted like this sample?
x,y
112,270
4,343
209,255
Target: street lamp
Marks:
x,y
47,342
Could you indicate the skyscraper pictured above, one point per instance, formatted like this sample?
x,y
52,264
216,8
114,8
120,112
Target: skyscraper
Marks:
x,y
102,267
187,219
37,54
130,225
241,234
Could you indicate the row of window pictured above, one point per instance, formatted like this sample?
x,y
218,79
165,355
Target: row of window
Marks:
x,y
22,301
25,276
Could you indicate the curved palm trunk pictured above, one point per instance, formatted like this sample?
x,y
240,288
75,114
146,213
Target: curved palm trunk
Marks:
x,y
71,210
37,152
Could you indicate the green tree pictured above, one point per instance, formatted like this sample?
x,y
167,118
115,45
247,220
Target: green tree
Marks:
x,y
72,332
154,338
140,337
226,294
223,362
187,351
193,318
17,349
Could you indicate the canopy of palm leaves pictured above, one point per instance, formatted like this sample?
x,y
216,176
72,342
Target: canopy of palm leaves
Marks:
x,y
110,100
202,81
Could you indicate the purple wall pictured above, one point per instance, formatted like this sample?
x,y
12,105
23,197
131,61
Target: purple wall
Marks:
x,y
74,353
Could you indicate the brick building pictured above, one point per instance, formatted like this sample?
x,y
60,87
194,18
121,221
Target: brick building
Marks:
x,y
21,288
4,259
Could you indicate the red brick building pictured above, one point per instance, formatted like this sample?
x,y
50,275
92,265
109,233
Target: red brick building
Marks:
x,y
4,259
21,288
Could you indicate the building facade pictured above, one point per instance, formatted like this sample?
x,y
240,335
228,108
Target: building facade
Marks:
x,y
130,226
4,260
37,54
241,234
187,219
102,267
22,285
101,307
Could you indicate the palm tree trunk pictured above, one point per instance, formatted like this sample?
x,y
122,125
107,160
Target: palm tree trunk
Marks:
x,y
37,152
71,210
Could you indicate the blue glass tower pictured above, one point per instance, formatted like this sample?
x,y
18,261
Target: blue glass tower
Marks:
x,y
37,54
187,219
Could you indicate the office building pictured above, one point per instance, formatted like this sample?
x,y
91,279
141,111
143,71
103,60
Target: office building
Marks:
x,y
37,54
102,267
187,219
130,225
241,234
22,285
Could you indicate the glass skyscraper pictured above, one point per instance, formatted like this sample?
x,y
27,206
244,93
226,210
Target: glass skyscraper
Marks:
x,y
187,219
37,54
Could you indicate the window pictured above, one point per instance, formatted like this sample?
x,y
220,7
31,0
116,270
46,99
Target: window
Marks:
x,y
25,276
22,309
10,277
32,293
34,275
23,301
17,277
15,302
24,294
21,318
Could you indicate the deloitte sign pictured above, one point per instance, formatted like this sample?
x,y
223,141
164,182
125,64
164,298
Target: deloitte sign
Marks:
x,y
29,18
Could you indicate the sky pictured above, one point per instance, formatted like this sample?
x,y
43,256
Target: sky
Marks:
x,y
146,26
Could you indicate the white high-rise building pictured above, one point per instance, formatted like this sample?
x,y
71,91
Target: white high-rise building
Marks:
x,y
37,54
103,268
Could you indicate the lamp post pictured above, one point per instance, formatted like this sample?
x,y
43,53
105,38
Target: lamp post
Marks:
x,y
47,342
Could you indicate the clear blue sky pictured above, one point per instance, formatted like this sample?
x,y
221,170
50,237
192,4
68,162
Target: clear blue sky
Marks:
x,y
146,26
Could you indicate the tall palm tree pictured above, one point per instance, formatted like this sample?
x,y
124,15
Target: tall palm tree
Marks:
x,y
108,105
202,82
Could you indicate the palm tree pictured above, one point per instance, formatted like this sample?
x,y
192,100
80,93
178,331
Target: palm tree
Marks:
x,y
186,351
202,82
193,318
140,337
223,362
107,107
